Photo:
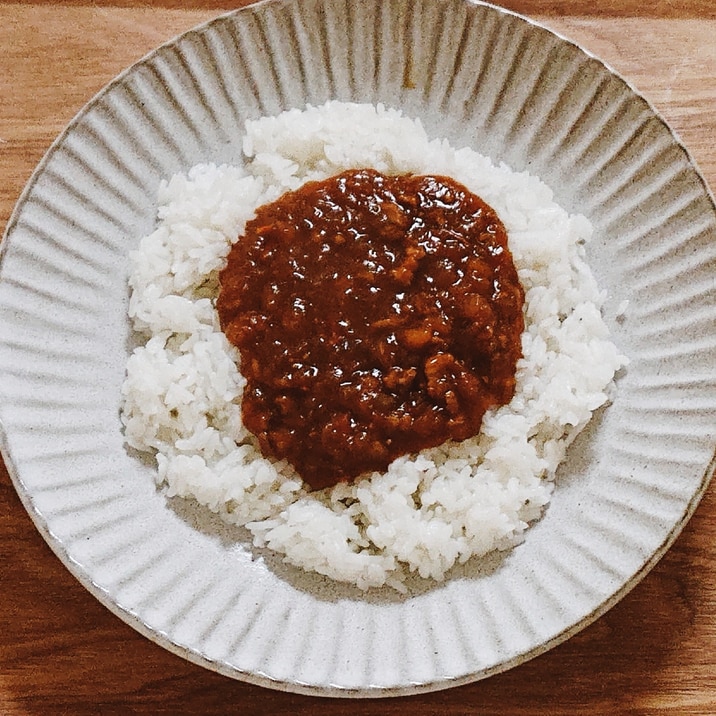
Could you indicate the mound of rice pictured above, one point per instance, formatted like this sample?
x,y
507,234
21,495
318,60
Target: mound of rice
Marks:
x,y
182,394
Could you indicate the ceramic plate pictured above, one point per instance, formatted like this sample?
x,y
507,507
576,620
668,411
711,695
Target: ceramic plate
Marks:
x,y
479,77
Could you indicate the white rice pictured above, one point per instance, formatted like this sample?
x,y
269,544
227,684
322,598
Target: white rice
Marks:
x,y
182,394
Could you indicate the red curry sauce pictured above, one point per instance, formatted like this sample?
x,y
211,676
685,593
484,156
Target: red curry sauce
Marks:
x,y
375,316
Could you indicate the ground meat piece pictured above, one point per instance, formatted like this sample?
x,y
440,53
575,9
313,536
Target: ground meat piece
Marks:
x,y
375,316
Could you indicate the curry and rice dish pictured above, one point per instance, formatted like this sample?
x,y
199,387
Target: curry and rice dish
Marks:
x,y
370,351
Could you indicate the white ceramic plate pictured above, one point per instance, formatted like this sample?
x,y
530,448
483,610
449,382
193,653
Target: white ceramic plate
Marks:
x,y
478,76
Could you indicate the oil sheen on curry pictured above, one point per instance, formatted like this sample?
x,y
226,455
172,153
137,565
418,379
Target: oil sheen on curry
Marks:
x,y
375,316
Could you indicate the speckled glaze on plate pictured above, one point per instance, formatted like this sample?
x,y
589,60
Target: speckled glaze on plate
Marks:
x,y
478,76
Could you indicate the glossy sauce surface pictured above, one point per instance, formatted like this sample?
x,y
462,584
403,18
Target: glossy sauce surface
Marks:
x,y
375,316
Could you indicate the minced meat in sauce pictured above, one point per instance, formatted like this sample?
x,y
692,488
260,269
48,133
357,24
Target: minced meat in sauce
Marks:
x,y
375,316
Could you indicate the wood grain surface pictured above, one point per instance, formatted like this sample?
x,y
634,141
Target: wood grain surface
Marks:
x,y
61,652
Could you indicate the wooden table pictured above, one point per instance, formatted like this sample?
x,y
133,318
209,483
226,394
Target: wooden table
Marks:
x,y
62,652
